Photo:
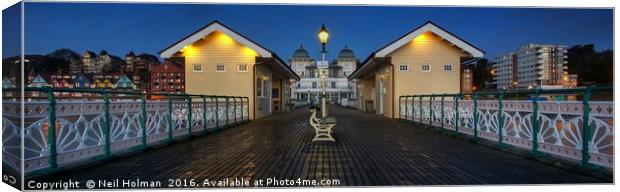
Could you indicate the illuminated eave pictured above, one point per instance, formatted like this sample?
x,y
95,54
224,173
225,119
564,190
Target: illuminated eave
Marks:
x,y
214,26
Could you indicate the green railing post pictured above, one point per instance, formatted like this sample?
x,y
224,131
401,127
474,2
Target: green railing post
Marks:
x,y
235,108
535,124
475,113
204,112
443,97
421,110
247,100
51,131
406,108
500,121
242,117
400,111
430,110
217,116
143,121
412,108
189,115
106,124
170,124
456,111
587,135
227,112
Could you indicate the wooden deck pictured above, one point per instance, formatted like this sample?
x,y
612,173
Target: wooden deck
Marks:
x,y
369,151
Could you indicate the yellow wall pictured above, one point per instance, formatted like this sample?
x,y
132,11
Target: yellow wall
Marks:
x,y
427,48
218,48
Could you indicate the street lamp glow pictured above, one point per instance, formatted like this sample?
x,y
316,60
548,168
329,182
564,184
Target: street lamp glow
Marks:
x,y
323,35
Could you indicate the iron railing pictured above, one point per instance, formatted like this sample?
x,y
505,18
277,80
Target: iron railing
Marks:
x,y
576,130
105,124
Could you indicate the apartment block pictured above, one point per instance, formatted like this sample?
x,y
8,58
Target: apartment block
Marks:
x,y
533,66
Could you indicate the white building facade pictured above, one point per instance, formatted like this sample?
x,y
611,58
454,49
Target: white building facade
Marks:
x,y
338,89
532,66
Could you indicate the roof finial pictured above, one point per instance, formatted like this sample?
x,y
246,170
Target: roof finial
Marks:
x,y
301,46
345,46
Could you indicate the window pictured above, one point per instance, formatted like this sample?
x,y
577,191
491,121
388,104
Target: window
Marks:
x,y
426,68
447,67
266,88
313,84
403,67
262,88
195,68
220,68
243,68
333,85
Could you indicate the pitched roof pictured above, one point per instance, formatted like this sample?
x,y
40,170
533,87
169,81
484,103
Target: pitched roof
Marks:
x,y
208,29
39,80
7,83
409,36
432,27
80,78
217,26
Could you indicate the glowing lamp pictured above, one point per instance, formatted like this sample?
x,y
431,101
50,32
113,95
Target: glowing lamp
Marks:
x,y
323,35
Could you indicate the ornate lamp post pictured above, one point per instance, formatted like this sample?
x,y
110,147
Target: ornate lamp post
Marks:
x,y
323,126
323,37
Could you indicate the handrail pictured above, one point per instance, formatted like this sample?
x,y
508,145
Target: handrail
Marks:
x,y
480,118
171,110
109,91
528,91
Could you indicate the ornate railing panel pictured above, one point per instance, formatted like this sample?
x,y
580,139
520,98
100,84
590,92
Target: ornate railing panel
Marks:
x,y
156,121
555,128
105,123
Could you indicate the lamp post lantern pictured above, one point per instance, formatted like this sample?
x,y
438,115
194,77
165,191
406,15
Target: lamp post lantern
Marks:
x,y
323,67
323,37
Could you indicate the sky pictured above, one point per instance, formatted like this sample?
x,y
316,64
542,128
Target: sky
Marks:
x,y
149,28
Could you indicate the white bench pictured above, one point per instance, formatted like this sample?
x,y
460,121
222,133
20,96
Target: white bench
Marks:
x,y
322,126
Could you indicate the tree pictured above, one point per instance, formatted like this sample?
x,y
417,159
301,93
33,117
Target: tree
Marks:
x,y
482,73
593,68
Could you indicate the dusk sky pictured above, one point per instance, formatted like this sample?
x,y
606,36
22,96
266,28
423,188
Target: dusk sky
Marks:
x,y
149,28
